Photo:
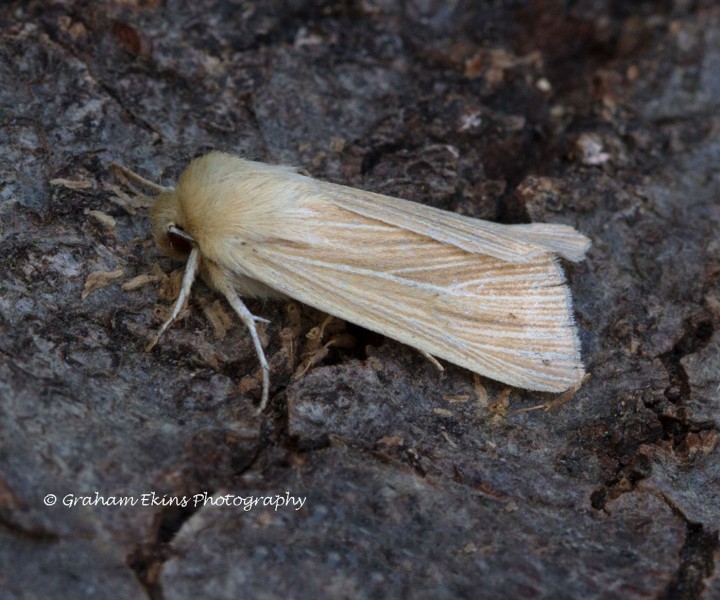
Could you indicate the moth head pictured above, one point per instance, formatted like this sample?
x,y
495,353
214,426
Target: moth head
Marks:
x,y
168,229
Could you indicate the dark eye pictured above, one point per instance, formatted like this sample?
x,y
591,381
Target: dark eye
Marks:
x,y
178,241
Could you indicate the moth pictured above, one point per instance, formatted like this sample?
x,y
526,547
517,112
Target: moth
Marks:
x,y
489,297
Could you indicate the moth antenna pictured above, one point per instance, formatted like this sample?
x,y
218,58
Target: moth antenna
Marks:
x,y
159,189
188,277
249,320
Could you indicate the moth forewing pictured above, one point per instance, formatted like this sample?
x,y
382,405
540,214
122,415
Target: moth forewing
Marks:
x,y
516,243
488,297
511,321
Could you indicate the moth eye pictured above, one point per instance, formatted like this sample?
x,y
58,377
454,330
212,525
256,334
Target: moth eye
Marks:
x,y
178,242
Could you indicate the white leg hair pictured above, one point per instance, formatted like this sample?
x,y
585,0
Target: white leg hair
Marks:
x,y
249,319
188,277
245,315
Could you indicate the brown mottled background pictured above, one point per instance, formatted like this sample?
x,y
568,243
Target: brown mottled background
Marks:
x,y
597,113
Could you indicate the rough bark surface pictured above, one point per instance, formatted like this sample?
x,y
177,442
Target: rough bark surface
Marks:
x,y
417,485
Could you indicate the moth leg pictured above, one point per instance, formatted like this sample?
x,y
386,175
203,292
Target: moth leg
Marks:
x,y
188,277
249,320
159,189
433,361
556,402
